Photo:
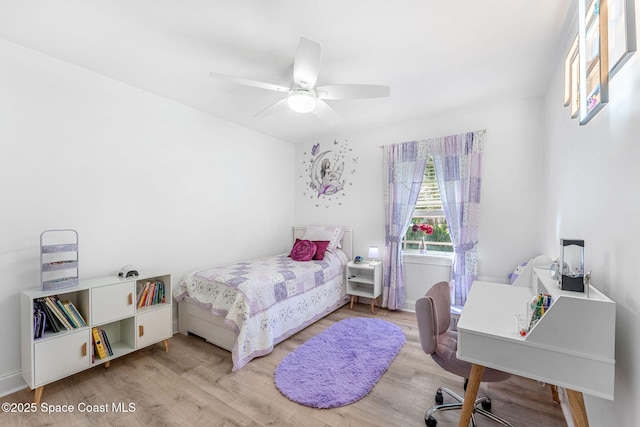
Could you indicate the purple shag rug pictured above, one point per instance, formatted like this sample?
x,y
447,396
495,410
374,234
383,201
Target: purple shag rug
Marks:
x,y
340,365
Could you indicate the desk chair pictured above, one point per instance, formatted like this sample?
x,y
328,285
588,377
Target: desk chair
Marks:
x,y
433,312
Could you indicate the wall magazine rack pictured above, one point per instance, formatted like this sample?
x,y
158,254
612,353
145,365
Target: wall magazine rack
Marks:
x,y
59,259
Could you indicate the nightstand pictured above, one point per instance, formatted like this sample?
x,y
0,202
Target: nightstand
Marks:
x,y
364,280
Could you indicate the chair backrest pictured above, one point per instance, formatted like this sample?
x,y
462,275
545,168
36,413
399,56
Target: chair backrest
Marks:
x,y
441,294
433,313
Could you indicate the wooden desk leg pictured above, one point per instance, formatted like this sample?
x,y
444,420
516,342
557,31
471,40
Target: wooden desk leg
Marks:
x,y
470,395
578,410
554,394
165,344
353,298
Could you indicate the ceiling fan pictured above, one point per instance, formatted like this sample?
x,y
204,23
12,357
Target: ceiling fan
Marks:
x,y
303,96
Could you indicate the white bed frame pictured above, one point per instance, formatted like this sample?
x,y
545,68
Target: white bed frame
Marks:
x,y
195,320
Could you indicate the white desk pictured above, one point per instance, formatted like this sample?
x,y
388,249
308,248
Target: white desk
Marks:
x,y
571,346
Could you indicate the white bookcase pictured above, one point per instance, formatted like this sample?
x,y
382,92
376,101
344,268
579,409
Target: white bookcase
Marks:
x,y
108,303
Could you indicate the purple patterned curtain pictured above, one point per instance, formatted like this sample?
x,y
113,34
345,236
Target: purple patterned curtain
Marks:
x,y
457,160
403,170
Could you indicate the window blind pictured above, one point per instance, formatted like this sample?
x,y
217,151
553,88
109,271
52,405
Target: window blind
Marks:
x,y
429,203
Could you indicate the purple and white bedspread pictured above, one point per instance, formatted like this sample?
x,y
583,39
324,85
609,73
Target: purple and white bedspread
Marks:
x,y
266,300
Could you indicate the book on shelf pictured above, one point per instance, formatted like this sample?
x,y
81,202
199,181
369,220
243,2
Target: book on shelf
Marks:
x,y
160,294
151,293
74,324
60,315
39,321
52,323
73,311
57,313
105,341
142,294
98,345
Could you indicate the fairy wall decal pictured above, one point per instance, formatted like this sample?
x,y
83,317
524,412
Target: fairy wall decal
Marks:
x,y
326,172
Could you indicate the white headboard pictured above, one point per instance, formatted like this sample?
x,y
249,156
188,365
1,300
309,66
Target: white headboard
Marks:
x,y
346,242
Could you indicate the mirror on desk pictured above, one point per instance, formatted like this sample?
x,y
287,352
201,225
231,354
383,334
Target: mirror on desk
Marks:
x,y
572,256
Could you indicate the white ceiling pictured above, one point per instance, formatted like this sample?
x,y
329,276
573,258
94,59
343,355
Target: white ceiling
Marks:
x,y
434,54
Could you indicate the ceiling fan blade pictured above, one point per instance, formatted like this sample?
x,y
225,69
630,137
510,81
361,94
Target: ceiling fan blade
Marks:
x,y
325,113
280,105
248,82
349,91
307,63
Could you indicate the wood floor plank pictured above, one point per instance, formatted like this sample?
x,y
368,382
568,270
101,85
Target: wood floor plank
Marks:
x,y
192,385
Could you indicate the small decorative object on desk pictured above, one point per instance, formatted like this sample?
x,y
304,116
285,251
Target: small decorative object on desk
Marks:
x,y
357,260
522,324
587,282
572,278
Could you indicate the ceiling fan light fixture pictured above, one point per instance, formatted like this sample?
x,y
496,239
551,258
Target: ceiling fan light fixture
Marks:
x,y
302,101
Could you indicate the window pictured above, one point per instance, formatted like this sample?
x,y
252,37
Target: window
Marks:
x,y
429,211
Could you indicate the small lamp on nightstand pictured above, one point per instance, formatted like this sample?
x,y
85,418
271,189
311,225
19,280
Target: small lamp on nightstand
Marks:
x,y
374,254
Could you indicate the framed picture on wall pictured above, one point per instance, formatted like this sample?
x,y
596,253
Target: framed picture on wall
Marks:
x,y
622,33
571,79
575,81
594,57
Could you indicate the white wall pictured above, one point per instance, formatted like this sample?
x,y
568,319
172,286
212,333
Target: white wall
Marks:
x,y
591,193
142,179
421,272
510,179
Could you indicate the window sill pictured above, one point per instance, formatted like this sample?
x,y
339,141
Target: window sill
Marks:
x,y
431,258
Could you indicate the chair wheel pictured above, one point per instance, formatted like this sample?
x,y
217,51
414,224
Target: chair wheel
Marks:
x,y
430,422
486,405
439,398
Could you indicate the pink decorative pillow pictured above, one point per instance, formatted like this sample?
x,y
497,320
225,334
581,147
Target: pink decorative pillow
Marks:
x,y
321,246
303,250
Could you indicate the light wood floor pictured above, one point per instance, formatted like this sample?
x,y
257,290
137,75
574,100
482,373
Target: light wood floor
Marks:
x,y
192,385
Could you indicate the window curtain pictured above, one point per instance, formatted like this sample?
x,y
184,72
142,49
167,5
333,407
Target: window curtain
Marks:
x,y
457,160
403,170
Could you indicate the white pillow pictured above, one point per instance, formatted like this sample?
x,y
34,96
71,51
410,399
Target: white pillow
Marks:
x,y
331,233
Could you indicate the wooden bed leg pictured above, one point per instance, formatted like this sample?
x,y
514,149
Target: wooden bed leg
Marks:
x,y
165,344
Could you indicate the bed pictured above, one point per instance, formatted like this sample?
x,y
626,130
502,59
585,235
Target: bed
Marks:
x,y
248,307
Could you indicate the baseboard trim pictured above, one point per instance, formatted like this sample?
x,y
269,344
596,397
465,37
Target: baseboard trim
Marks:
x,y
11,383
409,305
